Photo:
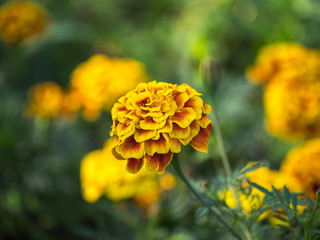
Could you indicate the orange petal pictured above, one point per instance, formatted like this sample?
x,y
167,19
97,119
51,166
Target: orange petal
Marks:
x,y
134,165
196,104
206,108
184,117
131,149
158,162
160,146
200,142
149,124
178,132
141,135
194,130
204,121
181,99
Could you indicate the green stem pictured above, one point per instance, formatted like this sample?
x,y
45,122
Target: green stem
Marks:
x,y
176,164
306,233
220,143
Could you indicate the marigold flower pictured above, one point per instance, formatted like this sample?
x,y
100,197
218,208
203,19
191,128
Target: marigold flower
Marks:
x,y
292,106
100,81
45,100
20,20
303,164
277,58
153,120
101,173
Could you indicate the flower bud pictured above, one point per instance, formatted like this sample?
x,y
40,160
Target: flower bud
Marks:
x,y
210,74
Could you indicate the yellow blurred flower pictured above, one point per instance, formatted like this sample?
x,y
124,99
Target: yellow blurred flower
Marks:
x,y
253,200
153,120
48,100
292,106
100,81
288,58
303,164
45,100
21,20
101,173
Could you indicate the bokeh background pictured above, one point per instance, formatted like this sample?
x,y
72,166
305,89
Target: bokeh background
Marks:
x,y
40,189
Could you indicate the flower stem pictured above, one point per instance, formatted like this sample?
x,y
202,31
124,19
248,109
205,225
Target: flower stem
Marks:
x,y
220,143
176,164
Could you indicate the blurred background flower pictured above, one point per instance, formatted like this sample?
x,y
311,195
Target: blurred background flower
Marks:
x,y
22,20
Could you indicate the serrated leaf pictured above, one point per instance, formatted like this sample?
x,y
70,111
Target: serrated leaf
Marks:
x,y
287,195
261,189
200,213
294,200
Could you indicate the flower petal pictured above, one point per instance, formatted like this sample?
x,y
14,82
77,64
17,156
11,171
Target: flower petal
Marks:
x,y
178,132
181,99
158,162
116,154
175,145
206,108
125,130
196,104
204,121
141,135
184,117
166,128
194,130
160,146
200,142
149,124
134,165
131,149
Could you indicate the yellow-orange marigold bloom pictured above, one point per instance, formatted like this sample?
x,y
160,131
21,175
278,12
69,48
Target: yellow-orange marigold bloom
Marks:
x,y
292,106
100,81
277,58
101,173
20,20
45,100
303,164
153,120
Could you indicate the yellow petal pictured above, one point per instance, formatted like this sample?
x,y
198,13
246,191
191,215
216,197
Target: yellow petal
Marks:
x,y
184,117
134,165
175,145
131,149
160,146
181,99
116,154
158,162
178,132
206,108
196,104
204,121
149,124
166,128
125,130
200,142
141,135
194,131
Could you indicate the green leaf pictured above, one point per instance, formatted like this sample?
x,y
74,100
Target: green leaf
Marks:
x,y
256,166
261,189
200,213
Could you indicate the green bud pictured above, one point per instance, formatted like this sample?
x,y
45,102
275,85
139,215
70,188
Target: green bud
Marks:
x,y
210,74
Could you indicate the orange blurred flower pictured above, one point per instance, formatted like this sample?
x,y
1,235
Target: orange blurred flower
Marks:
x,y
292,106
289,58
303,164
100,81
154,119
21,20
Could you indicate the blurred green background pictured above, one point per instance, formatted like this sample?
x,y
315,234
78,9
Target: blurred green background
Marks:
x,y
40,195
